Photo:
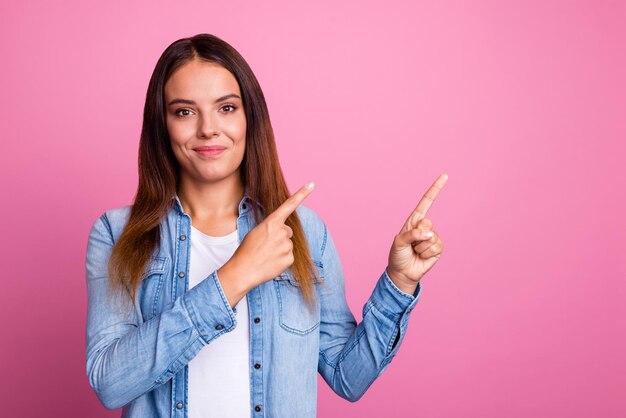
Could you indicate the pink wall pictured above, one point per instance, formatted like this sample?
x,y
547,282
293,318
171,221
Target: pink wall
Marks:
x,y
522,103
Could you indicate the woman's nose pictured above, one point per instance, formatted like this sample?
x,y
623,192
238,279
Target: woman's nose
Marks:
x,y
207,127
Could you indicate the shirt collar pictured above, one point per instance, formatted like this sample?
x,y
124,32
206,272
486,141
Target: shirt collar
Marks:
x,y
244,204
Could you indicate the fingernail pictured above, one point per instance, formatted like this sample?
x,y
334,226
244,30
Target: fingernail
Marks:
x,y
427,234
310,185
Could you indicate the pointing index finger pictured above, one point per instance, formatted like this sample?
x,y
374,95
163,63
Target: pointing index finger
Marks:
x,y
283,211
431,194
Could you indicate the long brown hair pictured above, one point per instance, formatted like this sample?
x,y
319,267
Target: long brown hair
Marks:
x,y
159,169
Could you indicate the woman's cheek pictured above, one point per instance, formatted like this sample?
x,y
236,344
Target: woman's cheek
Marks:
x,y
179,134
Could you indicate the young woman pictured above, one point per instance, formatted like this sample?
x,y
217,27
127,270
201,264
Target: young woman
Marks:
x,y
217,294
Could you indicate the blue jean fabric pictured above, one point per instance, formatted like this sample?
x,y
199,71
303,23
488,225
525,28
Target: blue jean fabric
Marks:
x,y
137,355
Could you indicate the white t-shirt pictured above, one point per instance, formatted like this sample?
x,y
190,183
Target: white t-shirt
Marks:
x,y
219,375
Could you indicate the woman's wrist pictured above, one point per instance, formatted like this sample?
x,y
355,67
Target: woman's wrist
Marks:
x,y
406,287
232,282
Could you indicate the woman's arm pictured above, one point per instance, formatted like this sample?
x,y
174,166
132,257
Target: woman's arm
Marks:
x,y
127,357
352,356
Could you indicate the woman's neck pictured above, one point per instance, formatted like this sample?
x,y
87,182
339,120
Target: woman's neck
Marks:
x,y
211,201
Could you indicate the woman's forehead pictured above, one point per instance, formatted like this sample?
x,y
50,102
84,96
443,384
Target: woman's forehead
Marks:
x,y
201,80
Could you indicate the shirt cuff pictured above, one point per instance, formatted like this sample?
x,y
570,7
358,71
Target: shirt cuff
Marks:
x,y
393,301
209,309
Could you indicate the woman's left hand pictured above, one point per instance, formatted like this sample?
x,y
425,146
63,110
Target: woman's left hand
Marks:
x,y
413,253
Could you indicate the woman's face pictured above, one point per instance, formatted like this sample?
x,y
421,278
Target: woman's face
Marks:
x,y
206,121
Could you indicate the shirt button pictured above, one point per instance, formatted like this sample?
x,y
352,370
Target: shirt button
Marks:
x,y
257,408
244,206
181,274
219,327
257,320
183,237
257,366
179,405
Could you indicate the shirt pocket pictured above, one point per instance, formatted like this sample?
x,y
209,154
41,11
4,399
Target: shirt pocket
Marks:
x,y
294,314
152,286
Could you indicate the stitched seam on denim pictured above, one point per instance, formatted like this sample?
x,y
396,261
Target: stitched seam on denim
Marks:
x,y
354,344
396,327
260,299
176,260
223,296
187,244
193,318
173,396
368,307
280,314
181,373
157,293
394,288
389,315
321,262
401,327
397,330
326,360
107,224
185,387
324,241
344,354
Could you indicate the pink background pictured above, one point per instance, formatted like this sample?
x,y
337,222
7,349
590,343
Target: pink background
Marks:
x,y
522,103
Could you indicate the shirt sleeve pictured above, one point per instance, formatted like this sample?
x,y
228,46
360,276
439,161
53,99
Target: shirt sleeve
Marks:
x,y
353,355
127,356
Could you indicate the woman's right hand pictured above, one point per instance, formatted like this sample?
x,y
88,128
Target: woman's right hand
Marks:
x,y
265,252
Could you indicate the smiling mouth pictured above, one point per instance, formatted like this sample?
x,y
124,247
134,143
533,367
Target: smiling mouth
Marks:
x,y
208,151
211,151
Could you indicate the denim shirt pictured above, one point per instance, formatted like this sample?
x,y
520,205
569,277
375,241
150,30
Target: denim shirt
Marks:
x,y
137,356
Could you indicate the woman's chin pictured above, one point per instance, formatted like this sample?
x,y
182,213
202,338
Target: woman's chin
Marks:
x,y
212,177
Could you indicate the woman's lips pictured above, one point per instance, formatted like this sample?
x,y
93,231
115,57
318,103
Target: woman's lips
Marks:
x,y
208,151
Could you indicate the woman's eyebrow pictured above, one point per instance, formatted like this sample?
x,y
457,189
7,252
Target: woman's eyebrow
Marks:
x,y
191,102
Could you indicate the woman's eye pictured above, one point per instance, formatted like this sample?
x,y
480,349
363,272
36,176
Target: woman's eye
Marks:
x,y
177,113
229,106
